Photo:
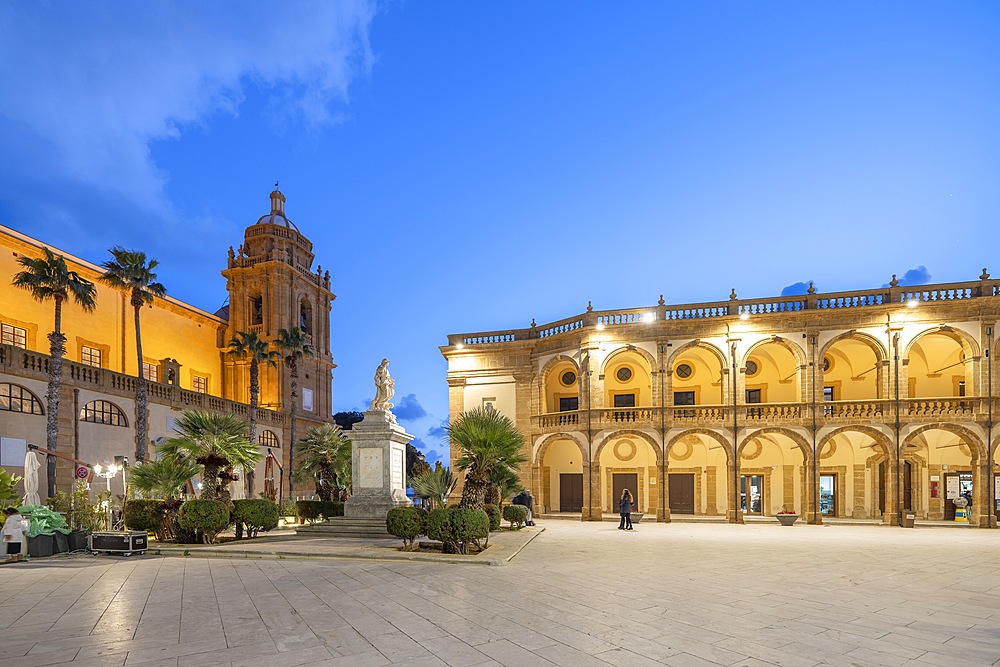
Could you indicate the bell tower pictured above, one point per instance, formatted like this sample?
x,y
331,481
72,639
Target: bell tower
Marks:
x,y
273,286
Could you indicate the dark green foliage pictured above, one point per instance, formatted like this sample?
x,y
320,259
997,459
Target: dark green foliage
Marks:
x,y
331,508
311,510
407,523
144,515
254,515
469,526
493,512
439,529
516,514
205,517
346,420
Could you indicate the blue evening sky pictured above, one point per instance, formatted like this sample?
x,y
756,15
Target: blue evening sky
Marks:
x,y
469,166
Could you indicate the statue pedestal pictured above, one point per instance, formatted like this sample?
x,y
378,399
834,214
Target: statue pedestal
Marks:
x,y
378,466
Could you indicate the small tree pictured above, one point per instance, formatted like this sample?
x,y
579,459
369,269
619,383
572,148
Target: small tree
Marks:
x,y
435,485
325,456
248,346
490,442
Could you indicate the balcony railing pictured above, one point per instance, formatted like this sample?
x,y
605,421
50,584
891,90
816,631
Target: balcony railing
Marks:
x,y
964,408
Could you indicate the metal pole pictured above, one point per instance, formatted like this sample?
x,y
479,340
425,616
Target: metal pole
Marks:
x,y
663,439
899,463
590,449
815,484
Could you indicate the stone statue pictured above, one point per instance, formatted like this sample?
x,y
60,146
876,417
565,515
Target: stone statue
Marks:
x,y
385,387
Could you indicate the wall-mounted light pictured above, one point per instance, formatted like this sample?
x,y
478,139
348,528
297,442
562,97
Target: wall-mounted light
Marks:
x,y
648,317
600,326
912,303
459,346
744,316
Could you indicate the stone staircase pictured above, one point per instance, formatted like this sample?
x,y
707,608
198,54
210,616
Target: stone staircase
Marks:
x,y
343,526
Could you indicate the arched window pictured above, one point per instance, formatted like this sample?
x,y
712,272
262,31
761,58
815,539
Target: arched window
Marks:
x,y
103,412
16,398
268,439
256,309
305,316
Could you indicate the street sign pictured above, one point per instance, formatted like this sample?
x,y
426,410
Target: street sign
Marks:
x,y
83,472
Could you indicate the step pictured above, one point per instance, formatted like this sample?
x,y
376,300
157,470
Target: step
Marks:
x,y
342,526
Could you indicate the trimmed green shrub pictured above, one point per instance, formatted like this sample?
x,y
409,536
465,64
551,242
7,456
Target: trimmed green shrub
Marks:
x,y
493,512
204,517
310,510
439,528
254,515
144,515
469,526
287,507
407,523
331,508
516,514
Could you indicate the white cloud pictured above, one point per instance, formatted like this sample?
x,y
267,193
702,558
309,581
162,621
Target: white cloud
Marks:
x,y
88,86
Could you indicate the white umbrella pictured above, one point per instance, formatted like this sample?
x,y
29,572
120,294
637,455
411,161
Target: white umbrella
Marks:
x,y
31,467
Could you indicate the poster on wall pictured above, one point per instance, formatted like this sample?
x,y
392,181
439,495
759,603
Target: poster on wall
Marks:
x,y
307,400
951,492
12,452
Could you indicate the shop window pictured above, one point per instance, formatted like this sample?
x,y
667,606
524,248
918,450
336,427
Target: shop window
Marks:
x,y
15,398
103,412
11,335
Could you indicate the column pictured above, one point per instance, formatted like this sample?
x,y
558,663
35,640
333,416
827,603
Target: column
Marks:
x,y
859,511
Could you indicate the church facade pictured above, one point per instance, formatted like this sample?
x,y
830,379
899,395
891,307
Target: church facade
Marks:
x,y
271,285
874,404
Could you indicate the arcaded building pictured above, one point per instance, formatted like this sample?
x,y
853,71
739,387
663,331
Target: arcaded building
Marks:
x,y
271,284
852,405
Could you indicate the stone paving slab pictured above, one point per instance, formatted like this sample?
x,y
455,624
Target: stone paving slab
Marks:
x,y
579,594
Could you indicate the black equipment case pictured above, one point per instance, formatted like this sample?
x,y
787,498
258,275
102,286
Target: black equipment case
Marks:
x,y
125,542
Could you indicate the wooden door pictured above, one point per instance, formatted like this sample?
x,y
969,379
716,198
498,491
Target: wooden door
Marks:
x,y
907,487
571,492
949,505
681,493
620,481
881,489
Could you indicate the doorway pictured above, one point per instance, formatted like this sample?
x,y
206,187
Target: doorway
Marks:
x,y
681,493
620,482
752,494
955,484
571,492
828,495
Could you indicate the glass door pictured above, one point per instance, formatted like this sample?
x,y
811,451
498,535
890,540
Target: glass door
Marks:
x,y
828,495
752,494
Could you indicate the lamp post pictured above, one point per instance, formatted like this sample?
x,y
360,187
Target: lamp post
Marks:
x,y
107,471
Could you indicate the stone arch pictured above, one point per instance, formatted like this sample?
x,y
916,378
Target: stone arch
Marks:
x,y
798,439
994,446
727,445
543,447
968,435
630,433
555,361
881,353
650,361
719,354
796,350
967,342
875,434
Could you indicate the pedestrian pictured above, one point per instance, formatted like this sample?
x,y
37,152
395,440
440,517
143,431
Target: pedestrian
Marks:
x,y
13,534
625,507
529,502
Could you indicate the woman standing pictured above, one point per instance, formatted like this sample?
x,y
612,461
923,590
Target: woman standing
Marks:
x,y
13,534
625,508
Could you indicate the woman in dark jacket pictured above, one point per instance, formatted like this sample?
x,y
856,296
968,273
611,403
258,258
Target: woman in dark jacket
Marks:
x,y
625,507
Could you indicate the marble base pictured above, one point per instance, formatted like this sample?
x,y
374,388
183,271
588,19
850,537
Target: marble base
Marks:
x,y
378,466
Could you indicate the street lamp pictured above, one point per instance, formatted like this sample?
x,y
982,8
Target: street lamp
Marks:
x,y
107,471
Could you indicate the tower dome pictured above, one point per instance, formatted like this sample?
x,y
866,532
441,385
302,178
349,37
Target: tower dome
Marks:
x,y
277,214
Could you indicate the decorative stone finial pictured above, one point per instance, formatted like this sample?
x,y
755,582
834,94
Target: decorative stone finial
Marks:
x,y
894,282
732,295
985,275
662,302
812,288
533,325
590,307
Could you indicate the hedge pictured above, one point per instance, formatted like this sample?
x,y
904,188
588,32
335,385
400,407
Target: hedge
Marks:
x,y
456,527
407,523
254,515
516,514
493,512
144,515
316,509
205,517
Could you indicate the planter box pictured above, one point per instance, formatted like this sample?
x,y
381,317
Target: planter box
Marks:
x,y
40,546
60,543
637,517
787,519
77,540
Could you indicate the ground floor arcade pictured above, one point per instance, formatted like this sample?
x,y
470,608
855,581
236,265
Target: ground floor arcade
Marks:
x,y
859,472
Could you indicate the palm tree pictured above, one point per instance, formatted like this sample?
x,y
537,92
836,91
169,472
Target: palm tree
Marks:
x,y
130,273
247,345
489,442
46,278
294,344
216,442
325,456
504,484
434,485
163,478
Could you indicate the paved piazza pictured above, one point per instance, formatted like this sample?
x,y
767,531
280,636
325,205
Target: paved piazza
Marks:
x,y
578,595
